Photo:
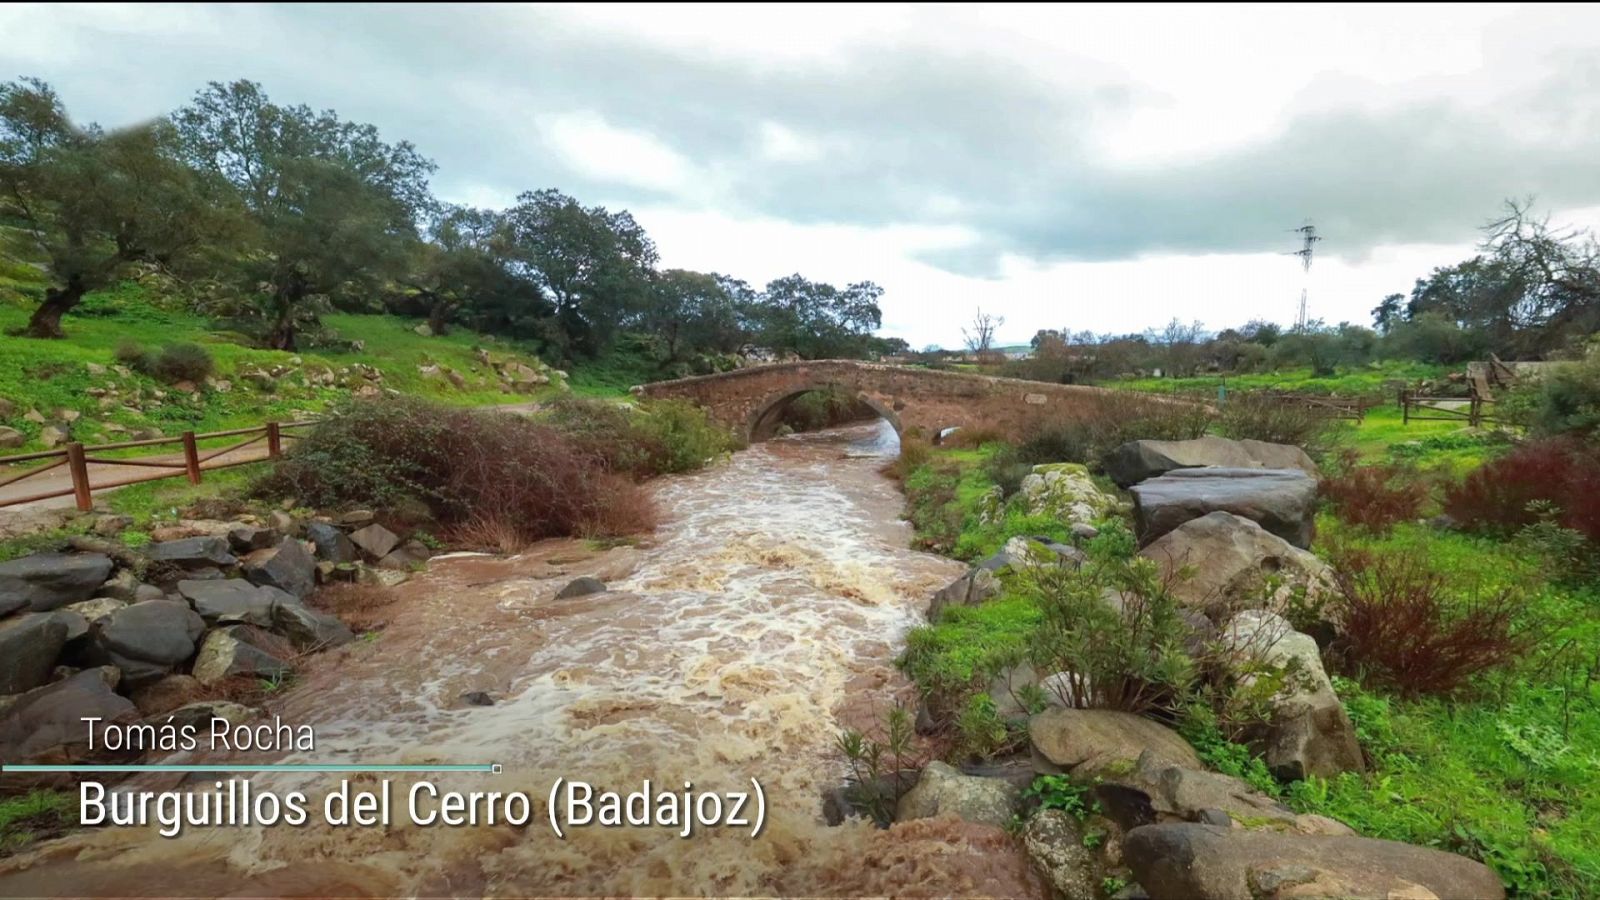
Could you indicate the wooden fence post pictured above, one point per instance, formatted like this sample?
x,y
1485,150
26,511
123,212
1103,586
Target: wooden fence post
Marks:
x,y
80,476
1405,409
274,441
191,457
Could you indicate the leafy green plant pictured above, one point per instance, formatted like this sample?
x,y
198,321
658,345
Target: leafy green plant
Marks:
x,y
880,770
1127,655
1059,792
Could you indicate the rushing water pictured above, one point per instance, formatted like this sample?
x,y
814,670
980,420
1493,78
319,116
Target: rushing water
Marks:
x,y
765,611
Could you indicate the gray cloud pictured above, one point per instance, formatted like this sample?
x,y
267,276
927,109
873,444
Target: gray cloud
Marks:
x,y
911,136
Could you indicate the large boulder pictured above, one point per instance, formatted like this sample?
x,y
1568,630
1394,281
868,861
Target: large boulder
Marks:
x,y
970,589
1010,689
46,725
1230,561
1283,501
943,790
234,600
1207,862
192,553
162,632
1065,492
287,567
407,556
309,629
1310,733
229,651
1089,741
45,581
28,649
332,544
250,538
1138,461
1167,792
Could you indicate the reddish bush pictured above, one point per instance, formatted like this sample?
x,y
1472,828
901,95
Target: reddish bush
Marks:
x,y
1497,497
463,465
1375,497
1402,630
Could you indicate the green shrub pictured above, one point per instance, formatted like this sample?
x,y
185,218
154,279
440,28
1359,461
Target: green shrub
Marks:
x,y
129,352
1565,401
656,438
1130,659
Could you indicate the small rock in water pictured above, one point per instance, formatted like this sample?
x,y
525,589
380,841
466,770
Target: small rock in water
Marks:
x,y
477,698
582,587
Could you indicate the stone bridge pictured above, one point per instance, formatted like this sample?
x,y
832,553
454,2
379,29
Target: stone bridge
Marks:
x,y
751,400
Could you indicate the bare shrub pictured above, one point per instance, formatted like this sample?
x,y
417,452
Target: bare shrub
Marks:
x,y
463,465
1106,421
1402,630
1262,417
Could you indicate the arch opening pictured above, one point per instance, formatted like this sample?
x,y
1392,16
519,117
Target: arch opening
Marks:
x,y
815,407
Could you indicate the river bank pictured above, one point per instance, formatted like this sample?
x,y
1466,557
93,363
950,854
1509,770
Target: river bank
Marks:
x,y
762,616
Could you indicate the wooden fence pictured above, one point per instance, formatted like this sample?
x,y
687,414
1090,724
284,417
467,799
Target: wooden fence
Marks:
x,y
1473,410
1354,408
77,458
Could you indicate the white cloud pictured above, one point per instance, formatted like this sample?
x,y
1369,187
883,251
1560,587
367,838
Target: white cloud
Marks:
x,y
594,148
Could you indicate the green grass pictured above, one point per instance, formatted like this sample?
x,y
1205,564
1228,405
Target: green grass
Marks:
x,y
32,817
50,375
1369,379
1509,773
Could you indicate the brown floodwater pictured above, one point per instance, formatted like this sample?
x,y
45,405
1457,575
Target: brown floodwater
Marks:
x,y
762,616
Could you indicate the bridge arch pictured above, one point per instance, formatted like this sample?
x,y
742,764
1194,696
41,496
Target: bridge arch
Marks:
x,y
760,424
923,400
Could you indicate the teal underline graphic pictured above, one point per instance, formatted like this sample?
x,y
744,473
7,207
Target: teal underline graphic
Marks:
x,y
281,767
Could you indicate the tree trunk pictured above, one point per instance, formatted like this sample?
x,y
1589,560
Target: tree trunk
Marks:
x,y
282,334
46,320
439,317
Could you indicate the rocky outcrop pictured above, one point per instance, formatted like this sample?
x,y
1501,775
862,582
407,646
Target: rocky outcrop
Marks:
x,y
192,553
145,640
46,725
375,541
1065,492
287,567
229,651
1283,501
233,600
1310,733
943,790
1229,562
45,581
331,543
1087,741
1138,461
29,645
309,629
1206,862
1054,841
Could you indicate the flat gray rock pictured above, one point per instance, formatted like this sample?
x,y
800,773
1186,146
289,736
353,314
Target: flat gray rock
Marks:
x,y
233,600
45,581
192,553
1283,501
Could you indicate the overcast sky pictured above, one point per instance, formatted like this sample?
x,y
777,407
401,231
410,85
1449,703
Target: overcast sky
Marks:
x,y
1091,168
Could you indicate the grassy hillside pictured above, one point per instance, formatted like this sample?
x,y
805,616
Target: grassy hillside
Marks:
x,y
82,374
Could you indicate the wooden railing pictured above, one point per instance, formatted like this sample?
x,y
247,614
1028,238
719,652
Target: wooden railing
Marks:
x,y
1473,410
77,458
